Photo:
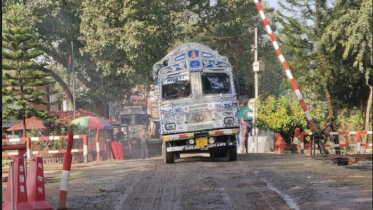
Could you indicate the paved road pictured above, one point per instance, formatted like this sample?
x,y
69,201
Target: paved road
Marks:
x,y
260,181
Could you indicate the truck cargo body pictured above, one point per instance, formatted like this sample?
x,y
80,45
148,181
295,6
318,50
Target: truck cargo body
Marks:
x,y
197,102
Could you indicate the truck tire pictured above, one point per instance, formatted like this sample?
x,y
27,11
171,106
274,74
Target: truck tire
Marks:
x,y
168,157
232,153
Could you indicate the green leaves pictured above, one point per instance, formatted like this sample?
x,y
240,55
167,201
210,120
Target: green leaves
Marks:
x,y
282,116
22,75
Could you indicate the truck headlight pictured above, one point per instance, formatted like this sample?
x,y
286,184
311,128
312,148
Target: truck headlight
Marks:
x,y
229,120
211,140
170,126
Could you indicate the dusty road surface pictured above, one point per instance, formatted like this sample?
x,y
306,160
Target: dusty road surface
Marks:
x,y
255,181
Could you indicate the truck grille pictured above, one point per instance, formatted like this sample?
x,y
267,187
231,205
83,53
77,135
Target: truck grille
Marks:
x,y
200,127
199,117
198,107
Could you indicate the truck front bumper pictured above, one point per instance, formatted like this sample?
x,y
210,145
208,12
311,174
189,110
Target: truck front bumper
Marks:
x,y
193,147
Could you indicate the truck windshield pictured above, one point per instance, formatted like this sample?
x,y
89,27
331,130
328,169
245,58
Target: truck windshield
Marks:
x,y
215,83
133,119
176,87
125,119
140,119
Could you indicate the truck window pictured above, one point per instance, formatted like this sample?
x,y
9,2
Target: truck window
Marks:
x,y
215,83
126,119
140,119
176,87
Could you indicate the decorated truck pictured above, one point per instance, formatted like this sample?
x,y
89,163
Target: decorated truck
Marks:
x,y
197,103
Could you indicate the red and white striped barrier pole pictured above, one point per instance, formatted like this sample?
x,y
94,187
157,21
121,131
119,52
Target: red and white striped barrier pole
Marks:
x,y
28,149
286,67
295,141
29,152
98,158
85,149
358,134
66,172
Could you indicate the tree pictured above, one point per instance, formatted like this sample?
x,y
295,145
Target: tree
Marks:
x,y
302,24
282,116
347,42
23,77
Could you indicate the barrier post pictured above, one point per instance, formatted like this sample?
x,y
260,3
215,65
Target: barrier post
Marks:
x,y
36,186
16,190
12,204
358,142
85,149
25,162
66,172
98,158
295,141
28,148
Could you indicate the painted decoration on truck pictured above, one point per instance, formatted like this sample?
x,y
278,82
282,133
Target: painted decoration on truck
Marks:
x,y
193,53
194,64
206,55
180,57
175,79
215,64
182,65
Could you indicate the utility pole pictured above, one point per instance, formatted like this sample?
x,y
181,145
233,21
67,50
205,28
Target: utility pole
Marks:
x,y
257,68
72,58
256,88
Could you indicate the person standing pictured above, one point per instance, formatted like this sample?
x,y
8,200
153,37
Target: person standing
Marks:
x,y
144,143
119,136
245,130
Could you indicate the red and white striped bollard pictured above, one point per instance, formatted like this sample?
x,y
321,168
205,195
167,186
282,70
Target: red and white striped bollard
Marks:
x,y
66,172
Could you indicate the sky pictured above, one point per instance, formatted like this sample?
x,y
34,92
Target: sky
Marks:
x,y
272,3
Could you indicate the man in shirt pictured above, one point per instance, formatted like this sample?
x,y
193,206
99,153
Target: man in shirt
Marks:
x,y
144,143
119,136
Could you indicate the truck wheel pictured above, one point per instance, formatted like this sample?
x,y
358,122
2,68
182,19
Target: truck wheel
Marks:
x,y
232,153
168,157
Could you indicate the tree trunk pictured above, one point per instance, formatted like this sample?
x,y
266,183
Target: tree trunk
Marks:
x,y
367,115
62,83
329,102
24,122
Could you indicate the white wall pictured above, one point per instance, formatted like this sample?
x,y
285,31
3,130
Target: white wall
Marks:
x,y
265,142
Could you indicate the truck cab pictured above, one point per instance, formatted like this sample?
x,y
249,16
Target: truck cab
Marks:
x,y
134,118
197,102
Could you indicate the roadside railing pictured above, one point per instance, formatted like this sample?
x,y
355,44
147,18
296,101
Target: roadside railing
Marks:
x,y
357,143
80,154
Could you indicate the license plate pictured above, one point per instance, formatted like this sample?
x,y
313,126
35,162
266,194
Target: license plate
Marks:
x,y
200,142
133,142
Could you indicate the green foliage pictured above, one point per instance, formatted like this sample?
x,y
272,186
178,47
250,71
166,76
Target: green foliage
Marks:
x,y
79,130
347,45
282,116
22,75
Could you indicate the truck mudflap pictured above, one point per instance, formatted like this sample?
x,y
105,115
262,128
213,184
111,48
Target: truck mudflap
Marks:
x,y
193,147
